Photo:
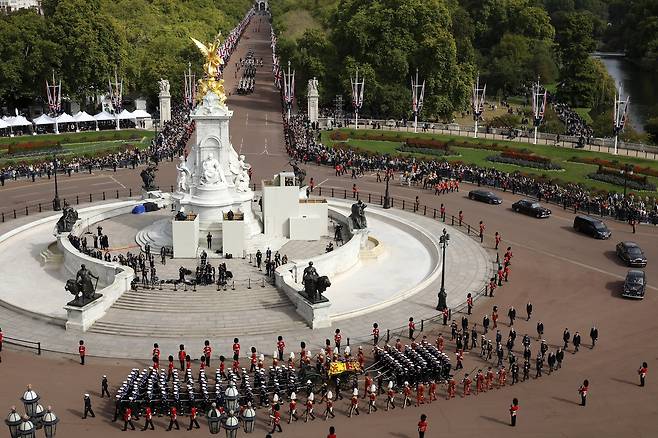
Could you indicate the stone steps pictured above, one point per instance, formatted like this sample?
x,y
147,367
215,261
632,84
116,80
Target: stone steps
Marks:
x,y
176,325
51,255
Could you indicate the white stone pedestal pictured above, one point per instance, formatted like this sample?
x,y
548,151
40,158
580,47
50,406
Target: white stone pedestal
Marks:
x,y
185,236
313,97
165,107
233,238
79,319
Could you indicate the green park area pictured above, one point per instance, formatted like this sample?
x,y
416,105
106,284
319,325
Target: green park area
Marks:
x,y
595,170
26,149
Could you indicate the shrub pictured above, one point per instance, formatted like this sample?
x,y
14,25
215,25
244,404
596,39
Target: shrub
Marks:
x,y
526,160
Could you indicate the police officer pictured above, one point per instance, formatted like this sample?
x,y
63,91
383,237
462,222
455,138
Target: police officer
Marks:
x,y
540,330
88,409
515,373
559,357
528,310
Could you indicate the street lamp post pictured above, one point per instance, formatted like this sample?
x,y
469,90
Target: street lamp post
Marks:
x,y
12,421
214,417
30,399
387,198
231,425
26,428
626,171
444,239
57,204
248,418
50,421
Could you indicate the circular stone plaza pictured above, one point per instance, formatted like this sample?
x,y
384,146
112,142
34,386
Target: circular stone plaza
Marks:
x,y
384,273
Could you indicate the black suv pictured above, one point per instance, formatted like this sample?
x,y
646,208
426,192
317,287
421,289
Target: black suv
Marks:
x,y
484,196
531,208
591,226
631,254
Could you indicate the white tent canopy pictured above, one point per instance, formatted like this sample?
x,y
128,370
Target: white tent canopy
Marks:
x,y
65,118
3,124
18,121
126,115
44,119
82,116
141,114
103,116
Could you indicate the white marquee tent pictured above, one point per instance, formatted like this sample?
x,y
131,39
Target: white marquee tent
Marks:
x,y
82,117
103,116
126,115
44,119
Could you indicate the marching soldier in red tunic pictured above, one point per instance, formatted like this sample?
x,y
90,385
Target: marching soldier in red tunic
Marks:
x,y
207,351
489,379
236,348
170,368
390,396
337,338
181,356
452,385
173,418
309,408
330,406
293,408
492,286
467,385
366,385
372,398
128,419
406,401
431,395
193,420
375,334
469,303
420,394
155,354
440,343
280,347
643,372
412,328
479,382
82,350
253,360
148,418
498,239
354,403
502,377
276,420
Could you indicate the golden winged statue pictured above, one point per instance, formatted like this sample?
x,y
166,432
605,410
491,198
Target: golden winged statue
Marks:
x,y
213,61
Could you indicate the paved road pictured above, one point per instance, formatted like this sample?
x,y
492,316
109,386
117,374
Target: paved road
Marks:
x,y
573,281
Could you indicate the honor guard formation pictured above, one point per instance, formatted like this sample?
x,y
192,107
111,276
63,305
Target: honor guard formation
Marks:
x,y
248,80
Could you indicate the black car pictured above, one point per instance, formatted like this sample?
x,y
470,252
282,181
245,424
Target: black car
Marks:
x,y
631,254
531,208
484,196
591,226
635,284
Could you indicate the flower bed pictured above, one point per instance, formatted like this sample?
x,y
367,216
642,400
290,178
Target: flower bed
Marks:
x,y
521,158
423,150
618,180
614,165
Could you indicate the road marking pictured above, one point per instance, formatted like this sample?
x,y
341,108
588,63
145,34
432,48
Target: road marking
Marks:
x,y
265,119
116,181
246,119
323,182
265,150
575,262
104,183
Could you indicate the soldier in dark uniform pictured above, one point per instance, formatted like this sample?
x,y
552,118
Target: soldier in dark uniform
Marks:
x,y
209,240
485,323
539,364
526,370
104,386
259,259
511,313
515,373
88,409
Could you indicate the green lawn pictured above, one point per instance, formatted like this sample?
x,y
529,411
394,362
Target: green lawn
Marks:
x,y
572,172
584,113
79,137
78,149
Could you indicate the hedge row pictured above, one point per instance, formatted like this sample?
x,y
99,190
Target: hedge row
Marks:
x,y
422,150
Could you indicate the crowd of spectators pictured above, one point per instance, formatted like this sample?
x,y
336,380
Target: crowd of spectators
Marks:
x,y
169,143
574,124
302,144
